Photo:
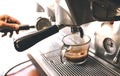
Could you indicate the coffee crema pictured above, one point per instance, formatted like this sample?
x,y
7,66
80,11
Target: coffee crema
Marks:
x,y
76,57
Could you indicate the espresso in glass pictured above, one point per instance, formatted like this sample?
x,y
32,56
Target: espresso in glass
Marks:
x,y
76,57
75,49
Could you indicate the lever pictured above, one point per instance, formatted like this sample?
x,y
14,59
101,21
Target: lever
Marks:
x,y
116,58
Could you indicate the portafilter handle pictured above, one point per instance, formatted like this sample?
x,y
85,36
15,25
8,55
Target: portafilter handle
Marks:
x,y
27,41
22,27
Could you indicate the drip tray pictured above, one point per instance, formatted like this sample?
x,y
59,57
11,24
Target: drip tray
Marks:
x,y
90,68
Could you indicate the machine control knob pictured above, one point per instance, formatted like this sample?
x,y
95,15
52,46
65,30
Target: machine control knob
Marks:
x,y
109,45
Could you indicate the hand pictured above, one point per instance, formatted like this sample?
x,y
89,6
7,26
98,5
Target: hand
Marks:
x,y
8,24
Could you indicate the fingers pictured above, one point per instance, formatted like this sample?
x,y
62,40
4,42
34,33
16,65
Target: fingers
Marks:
x,y
17,31
4,34
12,20
11,33
11,26
8,24
9,19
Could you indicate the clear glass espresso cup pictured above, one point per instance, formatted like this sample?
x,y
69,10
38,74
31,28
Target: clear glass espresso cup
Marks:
x,y
75,49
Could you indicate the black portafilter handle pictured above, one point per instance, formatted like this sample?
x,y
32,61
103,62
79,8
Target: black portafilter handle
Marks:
x,y
26,27
27,41
22,27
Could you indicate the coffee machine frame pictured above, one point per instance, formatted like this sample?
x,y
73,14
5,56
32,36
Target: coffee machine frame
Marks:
x,y
49,64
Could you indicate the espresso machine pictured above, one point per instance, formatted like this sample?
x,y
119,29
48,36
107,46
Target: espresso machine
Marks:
x,y
104,51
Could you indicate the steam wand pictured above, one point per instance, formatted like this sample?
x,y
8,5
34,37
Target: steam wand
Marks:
x,y
116,58
27,41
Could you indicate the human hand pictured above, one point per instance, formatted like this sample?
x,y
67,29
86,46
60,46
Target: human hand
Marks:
x,y
8,24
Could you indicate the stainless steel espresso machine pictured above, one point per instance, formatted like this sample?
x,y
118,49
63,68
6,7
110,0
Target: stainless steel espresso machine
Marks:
x,y
103,59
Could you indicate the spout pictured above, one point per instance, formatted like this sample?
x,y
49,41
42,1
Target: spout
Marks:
x,y
75,29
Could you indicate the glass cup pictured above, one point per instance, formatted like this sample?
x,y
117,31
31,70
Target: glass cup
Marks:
x,y
75,49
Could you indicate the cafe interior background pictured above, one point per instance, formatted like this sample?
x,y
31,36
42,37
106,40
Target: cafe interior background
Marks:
x,y
27,12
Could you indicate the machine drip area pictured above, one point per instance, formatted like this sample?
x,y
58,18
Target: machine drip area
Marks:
x,y
54,67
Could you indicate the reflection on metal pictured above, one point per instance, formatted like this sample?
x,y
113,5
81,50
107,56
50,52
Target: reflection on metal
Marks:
x,y
50,63
51,14
43,23
110,31
62,16
40,8
117,56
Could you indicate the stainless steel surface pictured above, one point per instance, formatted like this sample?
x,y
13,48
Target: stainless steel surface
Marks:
x,y
80,11
63,14
50,63
53,67
43,23
111,31
98,63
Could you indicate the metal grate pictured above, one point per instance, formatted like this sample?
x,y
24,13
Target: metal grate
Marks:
x,y
90,68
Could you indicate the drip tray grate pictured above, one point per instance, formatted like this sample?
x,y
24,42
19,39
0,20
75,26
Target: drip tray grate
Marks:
x,y
91,67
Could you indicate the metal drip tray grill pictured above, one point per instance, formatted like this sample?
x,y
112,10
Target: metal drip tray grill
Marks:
x,y
90,68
